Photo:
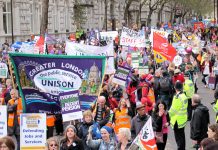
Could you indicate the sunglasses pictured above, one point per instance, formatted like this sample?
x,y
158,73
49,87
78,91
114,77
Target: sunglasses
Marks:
x,y
53,145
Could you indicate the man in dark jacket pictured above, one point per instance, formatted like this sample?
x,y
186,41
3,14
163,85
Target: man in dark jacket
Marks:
x,y
100,111
166,89
156,85
139,120
199,122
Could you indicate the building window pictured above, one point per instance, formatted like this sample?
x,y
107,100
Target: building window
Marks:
x,y
66,19
7,17
31,18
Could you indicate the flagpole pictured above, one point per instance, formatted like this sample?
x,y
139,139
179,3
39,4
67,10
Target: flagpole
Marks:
x,y
11,73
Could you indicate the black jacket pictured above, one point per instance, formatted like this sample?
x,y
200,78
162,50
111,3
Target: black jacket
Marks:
x,y
157,121
77,145
83,132
199,122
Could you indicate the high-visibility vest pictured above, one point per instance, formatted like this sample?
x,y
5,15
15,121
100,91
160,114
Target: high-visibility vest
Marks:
x,y
123,120
178,110
215,108
2,101
50,120
151,94
189,88
19,111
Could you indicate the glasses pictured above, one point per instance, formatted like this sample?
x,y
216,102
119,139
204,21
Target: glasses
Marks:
x,y
53,145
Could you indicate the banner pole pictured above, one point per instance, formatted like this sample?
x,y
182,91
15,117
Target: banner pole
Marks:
x,y
11,73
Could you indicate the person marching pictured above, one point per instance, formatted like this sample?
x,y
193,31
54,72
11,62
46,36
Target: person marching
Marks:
x,y
14,108
178,115
189,90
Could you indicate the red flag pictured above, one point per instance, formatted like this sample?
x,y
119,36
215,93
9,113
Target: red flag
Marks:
x,y
39,46
162,46
198,25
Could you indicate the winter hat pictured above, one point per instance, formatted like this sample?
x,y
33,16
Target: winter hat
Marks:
x,y
177,71
139,105
72,127
109,130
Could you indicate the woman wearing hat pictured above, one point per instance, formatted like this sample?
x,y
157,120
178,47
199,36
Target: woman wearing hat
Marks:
x,y
105,143
71,141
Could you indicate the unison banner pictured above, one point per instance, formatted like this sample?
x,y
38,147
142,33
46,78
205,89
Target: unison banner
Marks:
x,y
41,79
76,49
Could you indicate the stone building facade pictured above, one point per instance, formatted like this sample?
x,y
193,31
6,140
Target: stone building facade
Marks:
x,y
27,14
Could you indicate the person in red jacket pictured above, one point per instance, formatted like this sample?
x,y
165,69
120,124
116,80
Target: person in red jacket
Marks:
x,y
112,101
178,76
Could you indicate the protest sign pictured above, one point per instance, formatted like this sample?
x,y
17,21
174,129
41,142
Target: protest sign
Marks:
x,y
108,36
76,49
146,139
135,59
3,122
70,106
3,70
132,38
27,48
177,60
33,131
41,78
121,75
143,70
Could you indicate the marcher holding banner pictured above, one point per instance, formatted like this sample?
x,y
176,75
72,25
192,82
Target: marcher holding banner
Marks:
x,y
14,110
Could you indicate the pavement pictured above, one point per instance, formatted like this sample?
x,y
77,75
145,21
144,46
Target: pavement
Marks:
x,y
207,96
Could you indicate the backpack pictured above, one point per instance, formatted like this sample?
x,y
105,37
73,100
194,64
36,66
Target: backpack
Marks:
x,y
165,84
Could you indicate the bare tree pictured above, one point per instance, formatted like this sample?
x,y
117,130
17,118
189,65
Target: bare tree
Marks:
x,y
152,5
126,10
44,19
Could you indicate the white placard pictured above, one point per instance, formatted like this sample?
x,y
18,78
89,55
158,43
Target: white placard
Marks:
x,y
76,49
132,38
3,121
177,60
33,131
108,36
3,70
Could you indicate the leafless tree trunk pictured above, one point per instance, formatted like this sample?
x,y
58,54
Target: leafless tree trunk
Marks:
x,y
126,11
44,19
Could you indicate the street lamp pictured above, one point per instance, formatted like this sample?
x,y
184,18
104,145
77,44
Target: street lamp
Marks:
x,y
12,29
